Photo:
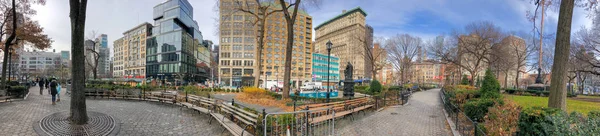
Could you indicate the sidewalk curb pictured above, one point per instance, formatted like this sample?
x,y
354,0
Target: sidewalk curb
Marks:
x,y
451,124
449,121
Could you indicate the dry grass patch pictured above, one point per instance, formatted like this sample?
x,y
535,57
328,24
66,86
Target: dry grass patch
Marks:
x,y
261,97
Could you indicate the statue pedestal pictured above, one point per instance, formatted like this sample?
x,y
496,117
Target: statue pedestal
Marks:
x,y
348,88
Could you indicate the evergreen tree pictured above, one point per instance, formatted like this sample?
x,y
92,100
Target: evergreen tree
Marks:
x,y
490,88
465,80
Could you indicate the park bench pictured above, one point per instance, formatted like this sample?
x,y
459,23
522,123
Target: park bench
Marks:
x,y
341,108
97,92
130,94
198,103
231,115
167,97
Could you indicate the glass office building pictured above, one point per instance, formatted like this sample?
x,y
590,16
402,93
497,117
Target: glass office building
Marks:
x,y
319,72
175,50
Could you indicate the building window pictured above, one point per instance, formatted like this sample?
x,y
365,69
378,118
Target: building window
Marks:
x,y
248,63
237,62
225,55
238,17
237,47
248,72
225,71
225,62
248,47
249,55
237,55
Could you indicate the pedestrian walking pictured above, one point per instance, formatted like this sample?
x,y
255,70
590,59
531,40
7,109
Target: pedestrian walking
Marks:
x,y
41,84
47,83
53,91
58,88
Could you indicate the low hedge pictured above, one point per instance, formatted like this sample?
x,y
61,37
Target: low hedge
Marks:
x,y
476,109
531,120
17,91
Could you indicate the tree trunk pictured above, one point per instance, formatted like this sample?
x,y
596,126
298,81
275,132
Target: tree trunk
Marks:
x,y
505,79
78,107
374,77
517,79
558,94
259,48
7,47
472,80
288,58
95,72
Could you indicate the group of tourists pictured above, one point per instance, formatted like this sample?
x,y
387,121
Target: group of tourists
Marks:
x,y
52,86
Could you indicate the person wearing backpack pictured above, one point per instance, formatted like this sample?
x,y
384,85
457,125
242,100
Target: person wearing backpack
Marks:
x,y
53,91
58,88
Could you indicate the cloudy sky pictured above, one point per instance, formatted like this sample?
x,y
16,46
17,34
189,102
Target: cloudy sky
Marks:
x,y
424,18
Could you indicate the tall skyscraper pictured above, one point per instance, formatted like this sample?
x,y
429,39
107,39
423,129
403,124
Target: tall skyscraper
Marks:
x,y
101,46
238,50
130,52
345,31
175,48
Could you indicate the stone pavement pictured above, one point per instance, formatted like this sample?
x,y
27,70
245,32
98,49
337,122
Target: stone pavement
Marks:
x,y
422,116
136,117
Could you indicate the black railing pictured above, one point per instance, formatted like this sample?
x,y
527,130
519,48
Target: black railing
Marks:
x,y
463,124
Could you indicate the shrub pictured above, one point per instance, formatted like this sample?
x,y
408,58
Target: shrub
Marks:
x,y
255,92
574,124
465,87
395,88
502,120
408,86
375,87
490,87
464,80
476,109
18,91
460,96
510,91
190,89
531,120
360,88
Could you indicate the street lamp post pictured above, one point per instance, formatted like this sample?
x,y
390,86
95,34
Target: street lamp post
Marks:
x,y
329,44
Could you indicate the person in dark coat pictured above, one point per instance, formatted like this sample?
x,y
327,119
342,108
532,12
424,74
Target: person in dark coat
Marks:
x,y
41,84
53,91
47,83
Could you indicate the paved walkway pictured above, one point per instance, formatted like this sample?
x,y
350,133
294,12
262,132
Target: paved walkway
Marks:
x,y
422,116
136,117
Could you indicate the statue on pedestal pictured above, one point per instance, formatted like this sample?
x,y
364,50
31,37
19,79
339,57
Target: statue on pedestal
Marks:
x,y
348,81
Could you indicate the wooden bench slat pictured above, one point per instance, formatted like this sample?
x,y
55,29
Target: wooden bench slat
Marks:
x,y
243,111
229,125
242,117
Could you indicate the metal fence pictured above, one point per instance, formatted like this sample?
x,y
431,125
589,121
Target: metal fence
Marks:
x,y
464,125
318,122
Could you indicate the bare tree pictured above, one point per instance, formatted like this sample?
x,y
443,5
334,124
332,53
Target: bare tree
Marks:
x,y
374,55
260,11
92,61
522,55
502,60
290,11
470,52
402,50
78,107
